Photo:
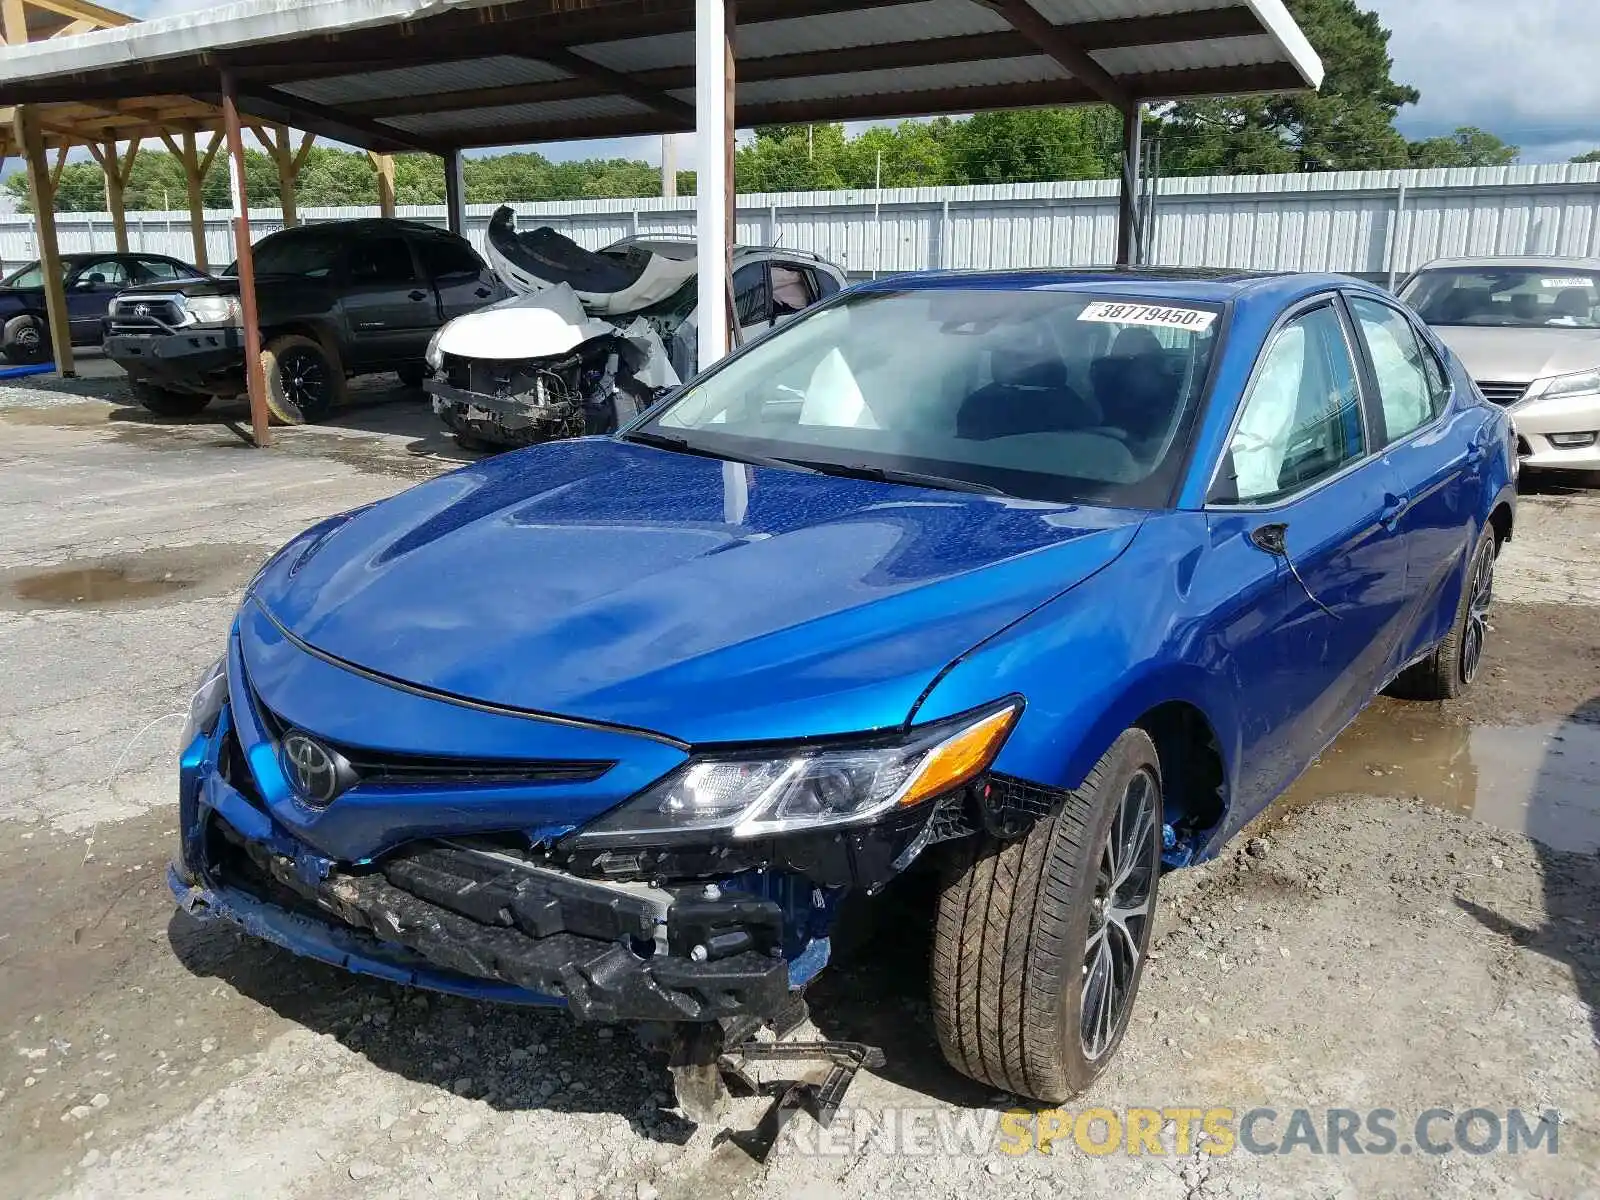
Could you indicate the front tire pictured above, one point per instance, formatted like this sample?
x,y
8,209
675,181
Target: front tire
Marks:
x,y
1455,662
24,340
1040,943
304,381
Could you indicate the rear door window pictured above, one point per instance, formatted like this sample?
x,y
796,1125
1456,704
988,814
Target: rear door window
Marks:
x,y
443,258
1411,396
382,262
791,290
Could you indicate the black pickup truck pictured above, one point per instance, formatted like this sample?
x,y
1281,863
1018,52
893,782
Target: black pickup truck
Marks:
x,y
334,300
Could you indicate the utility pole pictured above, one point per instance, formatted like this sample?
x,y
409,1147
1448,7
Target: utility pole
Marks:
x,y
669,165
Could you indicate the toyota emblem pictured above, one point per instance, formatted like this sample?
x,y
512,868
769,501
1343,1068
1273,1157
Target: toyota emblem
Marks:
x,y
313,769
141,310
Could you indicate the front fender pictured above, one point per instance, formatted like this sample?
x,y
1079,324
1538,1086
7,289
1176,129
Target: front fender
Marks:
x,y
1095,660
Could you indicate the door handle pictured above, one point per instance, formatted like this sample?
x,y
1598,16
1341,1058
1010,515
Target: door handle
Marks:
x,y
481,292
1394,507
418,295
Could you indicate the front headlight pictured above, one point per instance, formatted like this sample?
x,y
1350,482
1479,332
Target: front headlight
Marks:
x,y
1583,383
214,310
782,791
434,356
210,692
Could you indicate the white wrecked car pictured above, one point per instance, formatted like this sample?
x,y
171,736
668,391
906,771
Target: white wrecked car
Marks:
x,y
591,338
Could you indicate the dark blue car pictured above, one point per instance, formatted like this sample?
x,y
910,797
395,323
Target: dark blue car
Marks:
x,y
90,281
1043,582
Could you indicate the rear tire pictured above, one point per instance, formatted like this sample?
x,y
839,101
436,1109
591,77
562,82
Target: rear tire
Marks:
x,y
1455,662
304,381
1028,933
166,403
24,340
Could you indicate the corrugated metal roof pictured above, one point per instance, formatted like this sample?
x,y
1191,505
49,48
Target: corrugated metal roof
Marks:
x,y
518,114
419,48
914,79
1064,11
424,80
834,31
1189,56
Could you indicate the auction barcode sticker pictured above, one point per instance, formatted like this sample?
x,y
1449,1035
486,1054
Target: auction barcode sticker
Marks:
x,y
1567,281
1112,313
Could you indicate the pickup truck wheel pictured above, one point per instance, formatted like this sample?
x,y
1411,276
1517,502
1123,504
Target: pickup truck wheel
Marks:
x,y
166,403
1454,663
24,340
304,381
1039,943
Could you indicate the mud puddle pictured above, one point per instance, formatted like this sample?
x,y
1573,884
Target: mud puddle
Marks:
x,y
131,579
1537,779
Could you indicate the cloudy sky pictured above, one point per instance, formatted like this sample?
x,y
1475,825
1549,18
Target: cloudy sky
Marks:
x,y
1524,69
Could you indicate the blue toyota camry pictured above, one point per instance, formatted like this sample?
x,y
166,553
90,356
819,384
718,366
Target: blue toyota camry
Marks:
x,y
1043,581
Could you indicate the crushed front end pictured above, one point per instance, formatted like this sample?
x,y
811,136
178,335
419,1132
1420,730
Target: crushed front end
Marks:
x,y
519,866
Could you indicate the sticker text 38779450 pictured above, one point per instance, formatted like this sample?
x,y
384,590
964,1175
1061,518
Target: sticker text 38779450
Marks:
x,y
1197,320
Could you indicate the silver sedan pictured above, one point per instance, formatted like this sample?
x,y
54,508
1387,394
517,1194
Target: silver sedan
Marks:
x,y
1528,330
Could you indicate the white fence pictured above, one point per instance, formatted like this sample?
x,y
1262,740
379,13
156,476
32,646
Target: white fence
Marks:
x,y
1370,223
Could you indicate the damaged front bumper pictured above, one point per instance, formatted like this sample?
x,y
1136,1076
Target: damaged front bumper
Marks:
x,y
476,916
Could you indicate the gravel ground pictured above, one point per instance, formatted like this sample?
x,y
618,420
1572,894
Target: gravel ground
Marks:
x,y
1359,948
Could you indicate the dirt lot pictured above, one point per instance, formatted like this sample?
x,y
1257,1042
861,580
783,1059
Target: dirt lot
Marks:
x,y
1389,936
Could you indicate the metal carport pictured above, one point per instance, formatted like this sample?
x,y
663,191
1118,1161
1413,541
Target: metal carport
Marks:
x,y
443,75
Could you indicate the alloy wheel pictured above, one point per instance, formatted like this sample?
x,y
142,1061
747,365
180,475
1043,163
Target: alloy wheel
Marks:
x,y
1120,914
1480,595
305,381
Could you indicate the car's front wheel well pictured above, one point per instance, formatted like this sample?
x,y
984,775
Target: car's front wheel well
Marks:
x,y
1194,775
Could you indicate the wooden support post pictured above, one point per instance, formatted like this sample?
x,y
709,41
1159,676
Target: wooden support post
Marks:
x,y
41,183
383,166
255,376
1128,239
195,167
118,172
455,194
13,23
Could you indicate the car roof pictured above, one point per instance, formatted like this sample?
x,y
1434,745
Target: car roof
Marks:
x,y
1535,261
1192,284
362,225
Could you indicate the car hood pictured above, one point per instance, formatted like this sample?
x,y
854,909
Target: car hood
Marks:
x,y
707,600
209,286
1521,355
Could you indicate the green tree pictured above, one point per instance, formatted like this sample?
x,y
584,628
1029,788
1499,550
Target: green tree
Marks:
x,y
791,158
1034,145
1348,124
1591,156
1468,146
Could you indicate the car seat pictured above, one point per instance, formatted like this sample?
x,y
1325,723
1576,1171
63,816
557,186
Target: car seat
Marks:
x,y
1029,393
1134,387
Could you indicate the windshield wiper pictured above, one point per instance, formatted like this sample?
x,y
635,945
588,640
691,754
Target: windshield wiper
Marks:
x,y
664,441
895,475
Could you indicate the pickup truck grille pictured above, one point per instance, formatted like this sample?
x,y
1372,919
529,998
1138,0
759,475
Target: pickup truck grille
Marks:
x,y
145,314
1502,394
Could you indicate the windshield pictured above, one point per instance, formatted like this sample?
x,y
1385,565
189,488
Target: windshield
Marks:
x,y
1044,394
1506,297
32,276
311,255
